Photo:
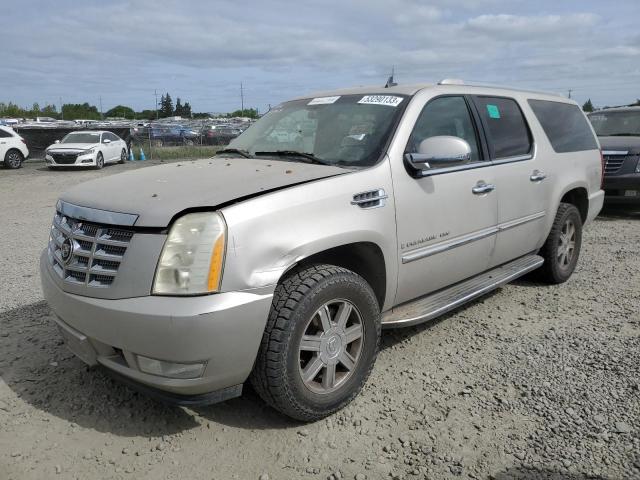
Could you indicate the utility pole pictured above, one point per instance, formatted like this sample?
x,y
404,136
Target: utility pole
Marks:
x,y
155,92
61,113
241,100
101,115
570,90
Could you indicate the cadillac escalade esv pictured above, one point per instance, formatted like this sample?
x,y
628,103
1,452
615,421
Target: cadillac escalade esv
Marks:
x,y
280,260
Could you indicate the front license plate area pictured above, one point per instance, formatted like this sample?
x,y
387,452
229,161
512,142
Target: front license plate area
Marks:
x,y
632,193
79,345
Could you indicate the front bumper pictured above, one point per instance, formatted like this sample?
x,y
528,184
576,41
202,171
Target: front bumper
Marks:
x,y
87,160
224,330
622,187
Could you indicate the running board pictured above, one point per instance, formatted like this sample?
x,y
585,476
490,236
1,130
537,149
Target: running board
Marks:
x,y
432,306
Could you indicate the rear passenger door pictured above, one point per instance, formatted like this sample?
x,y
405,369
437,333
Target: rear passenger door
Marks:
x,y
520,174
5,142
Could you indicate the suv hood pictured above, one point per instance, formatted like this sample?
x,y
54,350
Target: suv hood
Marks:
x,y
72,146
632,144
157,194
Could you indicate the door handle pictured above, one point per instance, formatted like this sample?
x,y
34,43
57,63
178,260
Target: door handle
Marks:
x,y
482,188
537,176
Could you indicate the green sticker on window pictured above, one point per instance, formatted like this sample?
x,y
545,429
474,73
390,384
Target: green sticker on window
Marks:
x,y
493,111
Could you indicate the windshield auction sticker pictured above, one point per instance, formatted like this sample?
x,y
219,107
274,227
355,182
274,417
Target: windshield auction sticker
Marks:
x,y
388,100
323,100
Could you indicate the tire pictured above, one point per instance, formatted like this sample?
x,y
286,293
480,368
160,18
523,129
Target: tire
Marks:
x,y
303,302
158,143
188,142
99,161
13,159
562,247
123,156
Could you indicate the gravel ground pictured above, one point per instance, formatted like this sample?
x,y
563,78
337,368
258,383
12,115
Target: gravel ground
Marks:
x,y
529,382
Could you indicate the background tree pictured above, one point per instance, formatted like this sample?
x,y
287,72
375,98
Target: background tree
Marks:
x,y
121,111
50,111
178,110
84,111
186,110
247,112
588,106
166,106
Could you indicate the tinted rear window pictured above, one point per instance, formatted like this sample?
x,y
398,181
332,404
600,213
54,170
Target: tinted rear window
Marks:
x,y
565,125
505,125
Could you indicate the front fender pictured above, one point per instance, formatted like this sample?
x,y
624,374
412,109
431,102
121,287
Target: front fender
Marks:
x,y
269,234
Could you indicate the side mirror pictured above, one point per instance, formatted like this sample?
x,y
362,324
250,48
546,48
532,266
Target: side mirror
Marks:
x,y
106,141
440,152
57,141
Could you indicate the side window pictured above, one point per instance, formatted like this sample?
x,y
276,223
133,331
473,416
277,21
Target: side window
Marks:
x,y
4,134
506,128
445,116
565,126
112,137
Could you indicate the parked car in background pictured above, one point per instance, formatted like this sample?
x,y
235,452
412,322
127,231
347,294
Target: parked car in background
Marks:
x,y
219,134
167,134
87,148
281,260
618,130
13,148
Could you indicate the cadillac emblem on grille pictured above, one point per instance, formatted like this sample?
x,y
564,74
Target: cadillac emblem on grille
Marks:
x,y
66,250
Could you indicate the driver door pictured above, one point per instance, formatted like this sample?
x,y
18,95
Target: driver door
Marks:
x,y
446,227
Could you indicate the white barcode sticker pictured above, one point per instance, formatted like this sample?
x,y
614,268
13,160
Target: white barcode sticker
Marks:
x,y
389,100
323,100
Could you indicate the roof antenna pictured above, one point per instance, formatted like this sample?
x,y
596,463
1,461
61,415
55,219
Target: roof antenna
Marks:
x,y
390,81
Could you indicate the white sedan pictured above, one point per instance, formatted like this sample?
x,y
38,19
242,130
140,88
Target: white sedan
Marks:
x,y
87,148
13,148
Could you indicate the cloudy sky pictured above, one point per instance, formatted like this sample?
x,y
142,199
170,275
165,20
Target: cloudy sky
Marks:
x,y
201,50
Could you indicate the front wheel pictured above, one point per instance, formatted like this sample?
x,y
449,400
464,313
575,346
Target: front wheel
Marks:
x,y
13,159
320,342
99,161
123,156
562,247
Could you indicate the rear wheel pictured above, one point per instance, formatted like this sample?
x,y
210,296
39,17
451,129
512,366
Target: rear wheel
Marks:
x,y
320,342
13,159
562,247
123,156
99,161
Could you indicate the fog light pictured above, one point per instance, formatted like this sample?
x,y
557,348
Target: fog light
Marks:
x,y
87,161
170,369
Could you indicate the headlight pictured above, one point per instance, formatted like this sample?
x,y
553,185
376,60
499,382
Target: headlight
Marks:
x,y
88,152
193,256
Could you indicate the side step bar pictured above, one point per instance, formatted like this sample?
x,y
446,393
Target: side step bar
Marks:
x,y
433,305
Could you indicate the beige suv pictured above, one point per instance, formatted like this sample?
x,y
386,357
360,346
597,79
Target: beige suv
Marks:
x,y
280,261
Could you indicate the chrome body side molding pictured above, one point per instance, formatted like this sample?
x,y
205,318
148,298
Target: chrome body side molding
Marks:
x,y
465,239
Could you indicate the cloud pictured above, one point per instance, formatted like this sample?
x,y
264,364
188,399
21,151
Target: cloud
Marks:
x,y
123,50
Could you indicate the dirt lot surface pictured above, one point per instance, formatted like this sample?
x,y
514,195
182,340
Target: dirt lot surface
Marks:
x,y
530,382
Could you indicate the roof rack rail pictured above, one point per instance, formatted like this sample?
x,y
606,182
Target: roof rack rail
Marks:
x,y
451,81
455,81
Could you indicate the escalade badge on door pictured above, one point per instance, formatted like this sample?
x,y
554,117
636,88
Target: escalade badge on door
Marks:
x,y
66,250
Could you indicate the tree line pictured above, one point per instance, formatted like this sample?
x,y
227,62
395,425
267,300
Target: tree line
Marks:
x,y
85,111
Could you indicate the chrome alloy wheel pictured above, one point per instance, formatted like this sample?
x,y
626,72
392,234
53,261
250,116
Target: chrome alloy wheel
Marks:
x,y
566,243
330,346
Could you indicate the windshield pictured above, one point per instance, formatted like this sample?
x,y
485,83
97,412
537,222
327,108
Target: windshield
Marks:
x,y
82,138
616,123
348,130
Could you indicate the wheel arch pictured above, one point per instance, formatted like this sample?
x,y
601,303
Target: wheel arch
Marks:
x,y
579,197
364,258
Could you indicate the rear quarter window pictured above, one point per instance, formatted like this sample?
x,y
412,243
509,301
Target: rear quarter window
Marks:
x,y
565,125
507,130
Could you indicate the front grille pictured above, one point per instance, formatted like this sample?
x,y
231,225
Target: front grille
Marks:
x,y
96,255
613,163
64,158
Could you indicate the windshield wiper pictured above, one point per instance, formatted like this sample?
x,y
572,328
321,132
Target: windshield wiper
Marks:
x,y
623,135
242,153
294,153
